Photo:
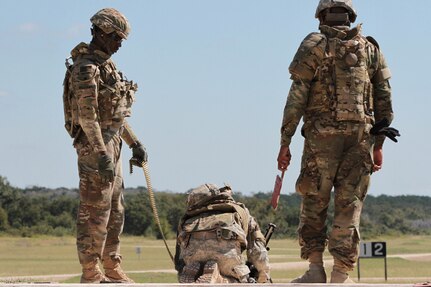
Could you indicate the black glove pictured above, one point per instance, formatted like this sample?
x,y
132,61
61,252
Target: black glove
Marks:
x,y
139,154
106,168
382,128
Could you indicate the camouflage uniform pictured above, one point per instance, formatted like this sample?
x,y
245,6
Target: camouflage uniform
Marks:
x,y
216,229
340,88
99,100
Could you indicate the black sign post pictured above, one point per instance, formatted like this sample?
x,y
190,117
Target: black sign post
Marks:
x,y
372,250
138,251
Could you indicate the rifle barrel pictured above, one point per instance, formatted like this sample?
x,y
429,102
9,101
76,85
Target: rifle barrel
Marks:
x,y
269,232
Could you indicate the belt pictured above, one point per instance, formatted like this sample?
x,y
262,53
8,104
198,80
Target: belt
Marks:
x,y
214,234
204,235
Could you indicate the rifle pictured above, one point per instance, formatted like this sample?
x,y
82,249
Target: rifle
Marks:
x,y
268,233
254,273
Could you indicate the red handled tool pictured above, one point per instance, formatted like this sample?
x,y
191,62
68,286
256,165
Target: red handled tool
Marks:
x,y
277,190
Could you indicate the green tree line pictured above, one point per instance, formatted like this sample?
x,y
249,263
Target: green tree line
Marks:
x,y
38,210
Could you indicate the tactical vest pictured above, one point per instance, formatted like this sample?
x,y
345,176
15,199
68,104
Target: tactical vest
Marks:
x,y
338,69
71,120
230,219
115,94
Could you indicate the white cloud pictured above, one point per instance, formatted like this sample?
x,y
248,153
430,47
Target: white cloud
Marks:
x,y
28,27
3,94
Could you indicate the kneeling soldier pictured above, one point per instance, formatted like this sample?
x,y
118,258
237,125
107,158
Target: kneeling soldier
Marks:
x,y
212,235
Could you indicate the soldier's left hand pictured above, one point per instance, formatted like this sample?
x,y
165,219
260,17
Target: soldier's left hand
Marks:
x,y
106,168
139,153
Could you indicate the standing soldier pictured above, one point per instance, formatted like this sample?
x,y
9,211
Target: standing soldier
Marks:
x,y
97,99
212,234
340,88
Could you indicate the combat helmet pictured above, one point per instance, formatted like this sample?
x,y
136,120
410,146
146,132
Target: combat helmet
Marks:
x,y
110,20
206,194
326,4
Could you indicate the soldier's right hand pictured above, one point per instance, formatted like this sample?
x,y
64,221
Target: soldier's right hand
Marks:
x,y
283,158
106,168
139,153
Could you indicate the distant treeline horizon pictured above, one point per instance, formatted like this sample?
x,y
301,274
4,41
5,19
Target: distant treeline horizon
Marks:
x,y
38,210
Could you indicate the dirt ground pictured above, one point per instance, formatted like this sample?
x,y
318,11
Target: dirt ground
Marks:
x,y
425,257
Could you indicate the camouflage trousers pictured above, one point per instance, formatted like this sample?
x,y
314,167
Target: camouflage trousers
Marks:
x,y
339,162
101,209
227,253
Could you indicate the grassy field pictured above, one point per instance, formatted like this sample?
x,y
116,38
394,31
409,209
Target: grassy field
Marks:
x,y
34,257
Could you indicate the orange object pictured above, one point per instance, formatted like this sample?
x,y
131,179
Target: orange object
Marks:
x,y
277,190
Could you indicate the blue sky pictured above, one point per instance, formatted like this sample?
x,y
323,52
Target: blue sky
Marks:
x,y
213,80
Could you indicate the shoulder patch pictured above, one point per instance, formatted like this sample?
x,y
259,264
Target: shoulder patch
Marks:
x,y
373,41
85,71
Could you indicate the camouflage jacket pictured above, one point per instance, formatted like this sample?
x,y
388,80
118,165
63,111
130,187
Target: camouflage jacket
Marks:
x,y
102,96
339,77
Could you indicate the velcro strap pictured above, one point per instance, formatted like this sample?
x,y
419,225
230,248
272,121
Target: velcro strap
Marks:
x,y
382,75
301,71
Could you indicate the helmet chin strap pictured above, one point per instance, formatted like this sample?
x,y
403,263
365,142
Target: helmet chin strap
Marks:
x,y
108,50
101,41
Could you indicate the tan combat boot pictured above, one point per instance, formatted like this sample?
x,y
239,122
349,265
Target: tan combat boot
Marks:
x,y
92,274
315,274
190,273
211,274
113,270
117,275
340,277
